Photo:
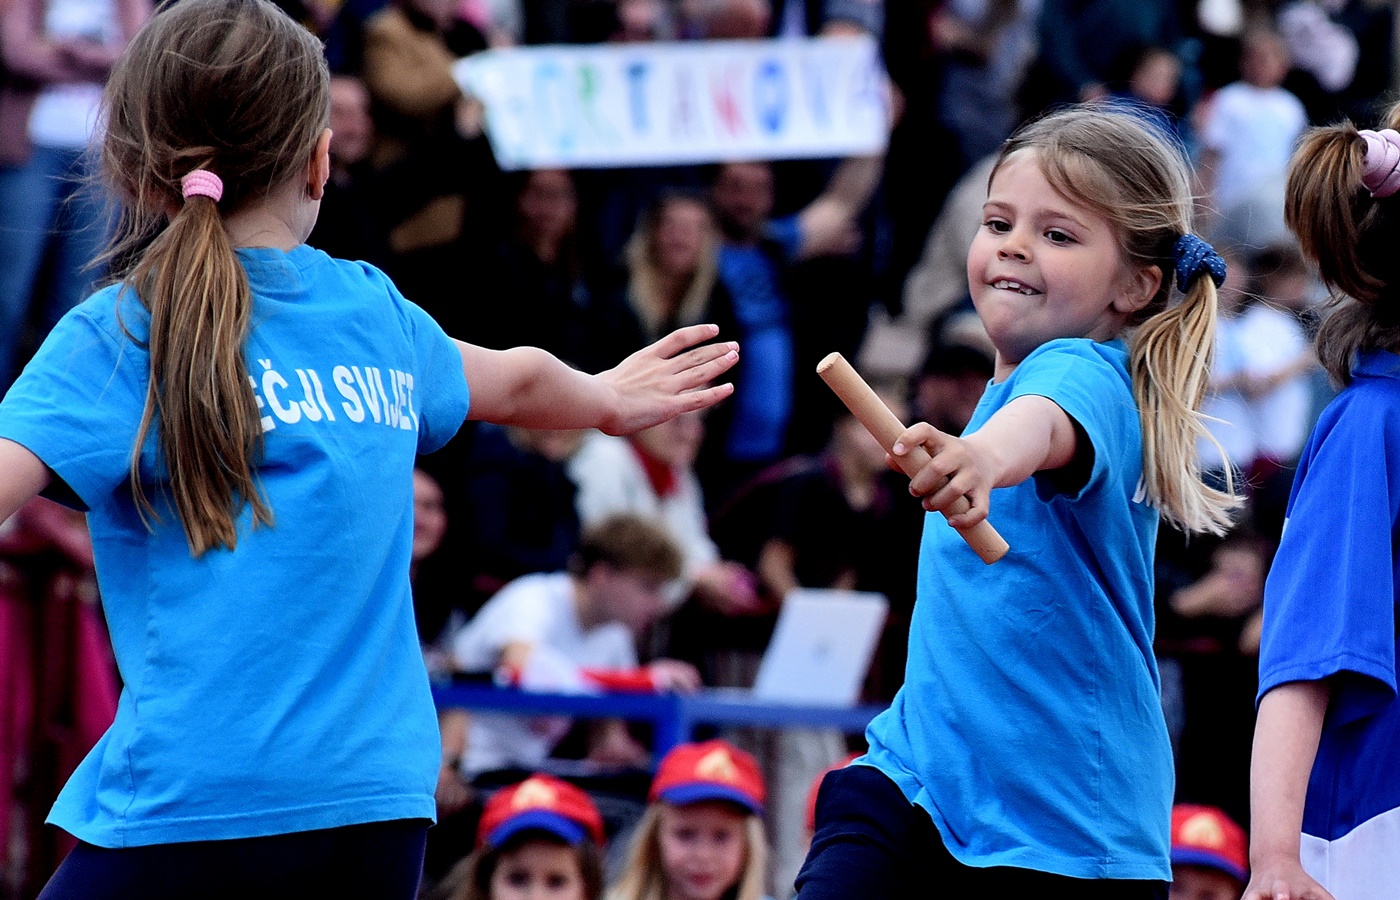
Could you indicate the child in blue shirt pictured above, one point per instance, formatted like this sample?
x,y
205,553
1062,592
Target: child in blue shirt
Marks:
x,y
1325,776
239,416
1027,752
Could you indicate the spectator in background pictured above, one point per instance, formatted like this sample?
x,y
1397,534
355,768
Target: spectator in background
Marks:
x,y
987,46
433,167
1250,127
350,225
651,474
1152,89
572,630
1084,44
517,507
431,587
950,382
540,839
936,286
532,290
672,279
756,257
1210,858
54,58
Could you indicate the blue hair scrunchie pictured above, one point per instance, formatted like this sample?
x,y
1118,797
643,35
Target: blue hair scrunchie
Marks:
x,y
1194,257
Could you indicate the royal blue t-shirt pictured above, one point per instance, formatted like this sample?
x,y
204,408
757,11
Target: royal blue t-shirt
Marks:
x,y
1030,725
1329,613
277,687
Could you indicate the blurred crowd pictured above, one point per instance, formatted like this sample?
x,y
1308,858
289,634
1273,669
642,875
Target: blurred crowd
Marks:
x,y
549,558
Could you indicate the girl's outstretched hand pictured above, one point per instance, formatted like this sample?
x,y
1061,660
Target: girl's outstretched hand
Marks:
x,y
1283,880
958,468
668,378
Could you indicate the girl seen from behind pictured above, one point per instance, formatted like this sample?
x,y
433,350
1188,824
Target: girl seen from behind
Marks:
x,y
239,416
1324,802
1027,750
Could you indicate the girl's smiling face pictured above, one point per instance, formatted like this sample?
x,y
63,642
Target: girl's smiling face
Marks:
x,y
538,870
1044,266
703,849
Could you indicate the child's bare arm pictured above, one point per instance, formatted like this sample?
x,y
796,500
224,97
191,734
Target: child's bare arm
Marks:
x,y
22,475
1028,435
528,387
1286,736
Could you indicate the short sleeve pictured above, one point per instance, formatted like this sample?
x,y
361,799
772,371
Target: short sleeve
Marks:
x,y
77,406
1329,602
1082,381
442,391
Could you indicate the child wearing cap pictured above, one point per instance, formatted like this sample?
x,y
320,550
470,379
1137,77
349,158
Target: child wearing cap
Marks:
x,y
538,839
1210,856
702,836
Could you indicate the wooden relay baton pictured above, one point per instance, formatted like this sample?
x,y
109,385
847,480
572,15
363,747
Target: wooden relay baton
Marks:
x,y
872,412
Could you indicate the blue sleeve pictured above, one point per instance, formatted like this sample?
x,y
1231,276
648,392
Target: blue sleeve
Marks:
x,y
787,233
78,404
1329,601
442,391
1082,379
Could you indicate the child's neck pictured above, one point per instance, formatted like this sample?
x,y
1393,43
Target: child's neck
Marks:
x,y
281,220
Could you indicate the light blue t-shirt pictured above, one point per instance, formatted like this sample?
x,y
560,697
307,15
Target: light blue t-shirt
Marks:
x,y
1029,725
278,687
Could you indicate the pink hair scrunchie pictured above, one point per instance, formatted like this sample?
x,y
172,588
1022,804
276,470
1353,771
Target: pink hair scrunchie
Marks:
x,y
203,183
1382,174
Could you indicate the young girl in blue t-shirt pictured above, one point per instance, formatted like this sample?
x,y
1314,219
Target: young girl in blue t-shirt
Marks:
x,y
239,415
1027,752
1325,776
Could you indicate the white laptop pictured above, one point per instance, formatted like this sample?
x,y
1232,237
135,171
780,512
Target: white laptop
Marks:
x,y
821,647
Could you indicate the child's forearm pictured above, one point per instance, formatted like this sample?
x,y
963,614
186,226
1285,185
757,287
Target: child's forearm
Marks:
x,y
1026,436
1286,738
530,388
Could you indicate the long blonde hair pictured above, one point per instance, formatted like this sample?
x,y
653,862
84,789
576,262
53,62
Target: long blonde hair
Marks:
x,y
644,287
1124,169
237,88
643,877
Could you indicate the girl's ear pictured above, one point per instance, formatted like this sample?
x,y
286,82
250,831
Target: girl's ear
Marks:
x,y
319,172
1142,286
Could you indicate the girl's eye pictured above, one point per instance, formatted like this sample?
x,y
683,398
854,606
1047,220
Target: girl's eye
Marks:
x,y
997,226
556,882
1056,236
518,878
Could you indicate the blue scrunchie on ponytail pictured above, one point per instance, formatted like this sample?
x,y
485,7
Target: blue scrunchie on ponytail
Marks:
x,y
1194,257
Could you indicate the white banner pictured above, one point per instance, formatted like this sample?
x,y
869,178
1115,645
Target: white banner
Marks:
x,y
687,102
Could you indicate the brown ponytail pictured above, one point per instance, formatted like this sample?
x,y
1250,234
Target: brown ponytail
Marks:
x,y
237,88
1352,238
1120,166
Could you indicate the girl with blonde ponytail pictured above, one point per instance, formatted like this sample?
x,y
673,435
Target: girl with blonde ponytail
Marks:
x,y
1324,798
1026,753
239,415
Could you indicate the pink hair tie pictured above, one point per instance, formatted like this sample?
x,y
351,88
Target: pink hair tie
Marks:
x,y
202,183
1382,174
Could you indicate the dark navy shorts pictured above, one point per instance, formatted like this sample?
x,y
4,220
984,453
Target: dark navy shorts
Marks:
x,y
872,843
373,861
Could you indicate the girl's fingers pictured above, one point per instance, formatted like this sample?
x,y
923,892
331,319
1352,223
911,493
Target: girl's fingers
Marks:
x,y
704,363
682,338
703,398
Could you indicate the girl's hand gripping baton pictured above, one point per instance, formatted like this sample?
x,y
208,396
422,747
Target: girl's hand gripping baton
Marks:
x,y
871,411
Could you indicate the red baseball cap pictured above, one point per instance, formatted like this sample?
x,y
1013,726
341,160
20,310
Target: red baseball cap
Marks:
x,y
712,770
1205,836
540,803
